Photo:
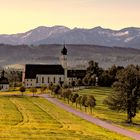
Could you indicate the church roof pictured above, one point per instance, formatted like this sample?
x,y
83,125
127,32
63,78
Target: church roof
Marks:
x,y
31,70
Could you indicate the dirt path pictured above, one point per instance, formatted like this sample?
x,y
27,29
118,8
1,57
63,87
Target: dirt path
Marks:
x,y
91,119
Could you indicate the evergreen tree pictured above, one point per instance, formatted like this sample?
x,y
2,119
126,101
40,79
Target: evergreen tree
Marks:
x,y
126,96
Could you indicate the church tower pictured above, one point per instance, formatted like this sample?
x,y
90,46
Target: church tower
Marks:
x,y
63,60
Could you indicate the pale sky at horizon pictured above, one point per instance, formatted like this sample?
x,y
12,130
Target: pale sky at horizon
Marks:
x,y
22,15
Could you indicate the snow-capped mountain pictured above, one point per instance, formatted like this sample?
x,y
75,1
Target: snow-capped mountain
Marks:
x,y
32,36
127,37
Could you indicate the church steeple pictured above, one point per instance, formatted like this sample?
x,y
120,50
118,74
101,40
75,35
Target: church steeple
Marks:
x,y
64,50
63,57
63,60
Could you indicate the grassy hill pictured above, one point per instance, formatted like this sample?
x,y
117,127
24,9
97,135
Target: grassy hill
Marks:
x,y
78,55
36,118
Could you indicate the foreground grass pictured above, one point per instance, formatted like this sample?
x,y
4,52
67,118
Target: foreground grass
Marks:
x,y
36,118
101,111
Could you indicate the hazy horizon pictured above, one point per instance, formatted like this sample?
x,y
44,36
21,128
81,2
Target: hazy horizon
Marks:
x,y
21,16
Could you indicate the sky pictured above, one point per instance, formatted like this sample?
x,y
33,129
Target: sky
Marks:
x,y
22,15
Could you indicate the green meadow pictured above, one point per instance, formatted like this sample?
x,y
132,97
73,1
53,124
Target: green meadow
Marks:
x,y
23,117
101,110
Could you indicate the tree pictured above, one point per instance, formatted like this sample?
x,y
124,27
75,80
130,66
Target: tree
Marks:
x,y
91,102
108,77
73,84
92,71
126,96
14,77
67,94
43,88
51,87
85,80
78,101
105,79
22,89
79,82
93,67
74,97
33,90
57,90
84,101
65,86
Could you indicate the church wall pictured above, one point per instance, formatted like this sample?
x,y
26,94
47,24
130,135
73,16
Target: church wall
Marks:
x,y
43,80
30,83
69,80
46,79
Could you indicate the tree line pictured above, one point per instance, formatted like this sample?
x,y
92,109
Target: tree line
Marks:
x,y
125,82
106,77
86,101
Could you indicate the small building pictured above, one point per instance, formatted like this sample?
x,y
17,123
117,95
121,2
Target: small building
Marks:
x,y
4,83
36,75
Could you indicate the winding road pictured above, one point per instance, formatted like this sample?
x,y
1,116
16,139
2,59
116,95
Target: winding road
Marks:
x,y
92,119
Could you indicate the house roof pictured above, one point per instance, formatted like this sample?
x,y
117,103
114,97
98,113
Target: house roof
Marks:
x,y
4,80
76,73
31,70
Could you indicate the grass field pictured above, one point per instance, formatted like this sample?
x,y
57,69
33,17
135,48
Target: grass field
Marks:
x,y
102,111
36,118
17,92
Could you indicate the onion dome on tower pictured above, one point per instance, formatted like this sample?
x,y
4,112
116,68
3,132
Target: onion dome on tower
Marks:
x,y
64,50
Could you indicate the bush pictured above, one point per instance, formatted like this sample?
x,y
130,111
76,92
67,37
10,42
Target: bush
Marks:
x,y
22,89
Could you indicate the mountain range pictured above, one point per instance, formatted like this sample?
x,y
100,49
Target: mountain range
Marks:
x,y
127,37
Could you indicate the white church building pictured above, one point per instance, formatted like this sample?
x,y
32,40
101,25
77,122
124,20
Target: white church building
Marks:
x,y
36,75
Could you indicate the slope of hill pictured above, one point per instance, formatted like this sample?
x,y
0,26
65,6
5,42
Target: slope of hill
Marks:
x,y
78,55
127,37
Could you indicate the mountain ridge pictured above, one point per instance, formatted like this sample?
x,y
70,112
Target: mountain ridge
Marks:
x,y
126,37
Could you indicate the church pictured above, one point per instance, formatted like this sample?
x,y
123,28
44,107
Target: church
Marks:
x,y
36,75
